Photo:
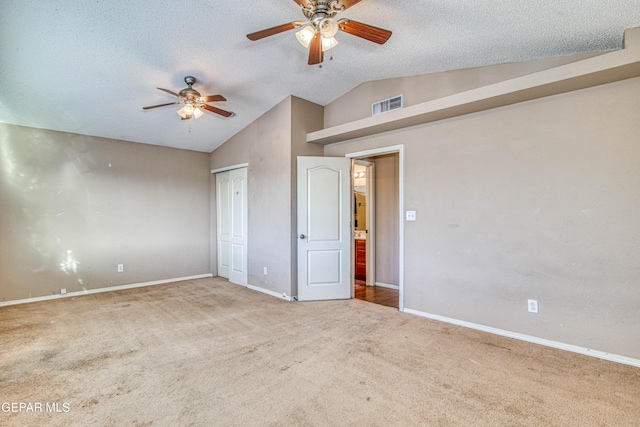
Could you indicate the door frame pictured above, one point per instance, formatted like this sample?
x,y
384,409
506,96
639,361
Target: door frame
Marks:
x,y
392,150
370,219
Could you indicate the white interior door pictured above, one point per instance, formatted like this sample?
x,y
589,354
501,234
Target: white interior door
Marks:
x,y
324,228
231,202
238,226
222,226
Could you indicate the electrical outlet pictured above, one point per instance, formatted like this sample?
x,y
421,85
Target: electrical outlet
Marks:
x,y
264,271
63,291
533,305
120,268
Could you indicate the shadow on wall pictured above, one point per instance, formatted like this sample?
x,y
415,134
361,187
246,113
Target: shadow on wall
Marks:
x,y
48,203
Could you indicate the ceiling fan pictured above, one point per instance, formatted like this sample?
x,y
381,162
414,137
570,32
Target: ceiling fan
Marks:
x,y
193,102
320,28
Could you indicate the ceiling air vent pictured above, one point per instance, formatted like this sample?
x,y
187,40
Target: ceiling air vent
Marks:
x,y
385,105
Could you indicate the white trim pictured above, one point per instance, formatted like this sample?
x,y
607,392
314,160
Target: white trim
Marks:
x,y
388,150
371,221
376,151
371,224
529,338
401,227
386,285
271,293
101,290
228,168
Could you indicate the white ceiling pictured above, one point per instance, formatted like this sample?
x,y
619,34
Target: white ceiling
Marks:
x,y
89,66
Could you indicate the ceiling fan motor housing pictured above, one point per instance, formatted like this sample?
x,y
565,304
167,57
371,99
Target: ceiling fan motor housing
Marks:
x,y
320,10
189,93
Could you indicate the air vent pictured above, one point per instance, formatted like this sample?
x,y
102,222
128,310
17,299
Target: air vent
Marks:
x,y
385,105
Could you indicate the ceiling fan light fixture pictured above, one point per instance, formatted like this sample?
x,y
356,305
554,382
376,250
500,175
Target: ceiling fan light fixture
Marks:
x,y
328,28
188,109
197,113
182,113
328,43
305,35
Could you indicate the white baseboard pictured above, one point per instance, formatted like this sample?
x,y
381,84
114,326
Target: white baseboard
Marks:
x,y
272,293
386,285
549,343
100,290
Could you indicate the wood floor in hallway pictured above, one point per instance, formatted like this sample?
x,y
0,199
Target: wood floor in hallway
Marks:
x,y
378,295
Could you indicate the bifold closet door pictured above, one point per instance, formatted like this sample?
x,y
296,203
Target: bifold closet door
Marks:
x,y
231,195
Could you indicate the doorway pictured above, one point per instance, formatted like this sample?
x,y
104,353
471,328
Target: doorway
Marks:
x,y
376,224
363,222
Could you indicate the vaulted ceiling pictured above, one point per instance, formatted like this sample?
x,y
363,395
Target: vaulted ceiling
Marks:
x,y
89,67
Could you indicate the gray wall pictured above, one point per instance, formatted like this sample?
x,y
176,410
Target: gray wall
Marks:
x,y
270,145
536,200
67,218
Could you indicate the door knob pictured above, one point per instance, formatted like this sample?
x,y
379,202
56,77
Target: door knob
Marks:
x,y
302,236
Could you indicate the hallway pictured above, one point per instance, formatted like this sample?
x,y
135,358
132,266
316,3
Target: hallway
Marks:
x,y
377,294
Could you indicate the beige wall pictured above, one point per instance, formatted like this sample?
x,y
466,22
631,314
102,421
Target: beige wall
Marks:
x,y
537,200
305,117
67,218
269,145
356,104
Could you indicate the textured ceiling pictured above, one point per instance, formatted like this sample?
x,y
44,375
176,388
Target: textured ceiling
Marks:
x,y
89,67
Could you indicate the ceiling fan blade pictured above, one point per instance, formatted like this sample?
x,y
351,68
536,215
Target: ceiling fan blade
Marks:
x,y
273,30
304,3
212,98
169,92
365,31
346,3
161,105
217,110
316,55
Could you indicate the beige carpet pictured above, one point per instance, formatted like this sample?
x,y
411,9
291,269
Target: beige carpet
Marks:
x,y
210,353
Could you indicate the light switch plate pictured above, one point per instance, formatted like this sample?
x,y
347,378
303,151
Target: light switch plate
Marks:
x,y
411,215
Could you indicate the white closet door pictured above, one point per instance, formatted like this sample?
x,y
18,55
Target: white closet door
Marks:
x,y
222,235
238,226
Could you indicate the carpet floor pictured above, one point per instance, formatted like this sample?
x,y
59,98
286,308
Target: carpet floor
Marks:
x,y
210,353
